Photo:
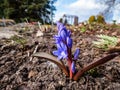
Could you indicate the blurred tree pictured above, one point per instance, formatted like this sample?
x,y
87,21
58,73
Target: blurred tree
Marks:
x,y
111,7
100,19
92,19
1,8
32,10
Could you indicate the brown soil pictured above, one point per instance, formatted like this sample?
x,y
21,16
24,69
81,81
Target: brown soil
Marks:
x,y
19,71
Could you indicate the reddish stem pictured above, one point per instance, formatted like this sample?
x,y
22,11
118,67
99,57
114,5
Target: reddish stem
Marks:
x,y
70,62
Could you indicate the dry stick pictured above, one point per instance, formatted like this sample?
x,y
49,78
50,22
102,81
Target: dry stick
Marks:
x,y
94,64
31,58
52,59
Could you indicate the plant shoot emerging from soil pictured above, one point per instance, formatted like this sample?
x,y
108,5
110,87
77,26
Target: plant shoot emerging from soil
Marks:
x,y
64,42
64,46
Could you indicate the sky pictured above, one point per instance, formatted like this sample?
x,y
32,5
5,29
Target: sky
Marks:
x,y
82,8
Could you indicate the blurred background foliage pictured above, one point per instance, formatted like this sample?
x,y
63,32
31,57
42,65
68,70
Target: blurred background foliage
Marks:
x,y
96,19
31,10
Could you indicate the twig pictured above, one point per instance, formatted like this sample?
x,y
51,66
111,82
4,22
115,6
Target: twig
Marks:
x,y
35,50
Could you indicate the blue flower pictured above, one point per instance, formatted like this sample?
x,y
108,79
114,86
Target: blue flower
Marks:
x,y
62,31
69,42
60,26
63,34
76,54
64,46
61,51
73,67
63,41
57,38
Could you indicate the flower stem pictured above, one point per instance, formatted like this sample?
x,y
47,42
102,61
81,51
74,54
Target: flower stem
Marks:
x,y
70,62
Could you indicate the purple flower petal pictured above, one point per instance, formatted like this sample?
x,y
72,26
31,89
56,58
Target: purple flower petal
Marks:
x,y
61,51
69,33
56,53
73,67
63,46
63,34
76,54
69,42
60,57
63,41
64,54
60,26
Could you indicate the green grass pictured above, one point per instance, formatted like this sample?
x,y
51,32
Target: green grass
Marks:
x,y
18,40
104,41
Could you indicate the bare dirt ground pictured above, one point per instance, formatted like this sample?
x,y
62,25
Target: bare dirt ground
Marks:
x,y
19,71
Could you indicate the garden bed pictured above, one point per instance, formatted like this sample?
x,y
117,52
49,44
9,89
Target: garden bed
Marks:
x,y
20,71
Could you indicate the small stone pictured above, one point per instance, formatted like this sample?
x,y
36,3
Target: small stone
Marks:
x,y
108,68
82,80
32,73
39,33
61,83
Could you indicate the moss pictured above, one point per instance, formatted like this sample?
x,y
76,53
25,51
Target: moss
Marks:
x,y
18,40
93,72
